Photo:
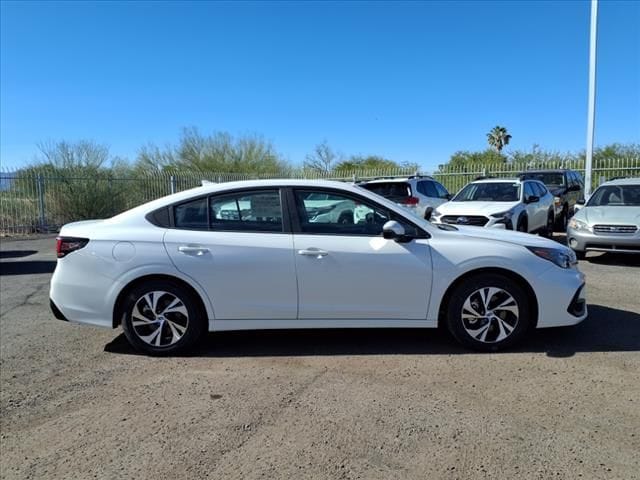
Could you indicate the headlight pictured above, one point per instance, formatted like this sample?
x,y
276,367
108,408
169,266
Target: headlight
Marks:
x,y
579,225
557,201
563,258
436,213
504,215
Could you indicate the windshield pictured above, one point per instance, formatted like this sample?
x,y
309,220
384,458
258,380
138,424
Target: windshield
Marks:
x,y
616,196
489,192
554,179
389,189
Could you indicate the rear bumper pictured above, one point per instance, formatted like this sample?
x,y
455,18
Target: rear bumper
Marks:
x,y
56,311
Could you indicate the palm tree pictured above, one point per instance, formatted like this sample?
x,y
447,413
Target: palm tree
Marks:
x,y
498,138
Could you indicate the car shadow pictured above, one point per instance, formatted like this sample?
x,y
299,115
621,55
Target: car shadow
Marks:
x,y
606,330
616,259
27,268
16,253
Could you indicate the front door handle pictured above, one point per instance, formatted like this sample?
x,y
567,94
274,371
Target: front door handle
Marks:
x,y
194,250
313,252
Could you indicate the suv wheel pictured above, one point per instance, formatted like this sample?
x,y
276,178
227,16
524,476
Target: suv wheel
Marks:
x,y
522,225
561,221
488,312
162,318
548,229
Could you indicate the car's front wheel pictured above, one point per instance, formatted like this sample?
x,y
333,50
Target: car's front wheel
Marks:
x,y
488,312
162,318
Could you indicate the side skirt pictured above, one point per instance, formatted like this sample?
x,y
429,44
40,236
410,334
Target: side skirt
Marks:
x,y
230,325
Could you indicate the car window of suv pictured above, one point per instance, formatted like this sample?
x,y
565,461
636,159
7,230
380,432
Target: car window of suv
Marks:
x,y
539,189
442,192
338,215
428,188
528,190
254,211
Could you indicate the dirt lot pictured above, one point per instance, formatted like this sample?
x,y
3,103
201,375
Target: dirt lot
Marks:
x,y
76,402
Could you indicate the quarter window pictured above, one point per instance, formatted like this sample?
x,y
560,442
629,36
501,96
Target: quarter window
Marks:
x,y
338,214
259,211
427,188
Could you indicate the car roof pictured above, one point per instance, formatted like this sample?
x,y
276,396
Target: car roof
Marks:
x,y
389,180
547,170
498,180
623,181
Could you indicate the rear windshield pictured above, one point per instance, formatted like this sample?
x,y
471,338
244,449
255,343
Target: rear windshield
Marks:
x,y
616,196
553,179
389,189
489,192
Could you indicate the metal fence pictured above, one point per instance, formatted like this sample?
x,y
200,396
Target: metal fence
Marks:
x,y
33,200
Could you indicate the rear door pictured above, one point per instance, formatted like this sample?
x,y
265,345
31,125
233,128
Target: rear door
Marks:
x,y
347,270
234,246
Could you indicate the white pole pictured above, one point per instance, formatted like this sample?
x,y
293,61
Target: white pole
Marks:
x,y
592,96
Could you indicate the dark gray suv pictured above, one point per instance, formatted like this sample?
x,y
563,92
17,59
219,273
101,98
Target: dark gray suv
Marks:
x,y
566,186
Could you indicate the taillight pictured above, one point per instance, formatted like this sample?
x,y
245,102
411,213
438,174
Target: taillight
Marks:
x,y
66,245
411,201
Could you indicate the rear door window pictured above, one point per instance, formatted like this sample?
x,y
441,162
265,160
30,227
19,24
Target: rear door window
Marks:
x,y
191,215
442,192
254,211
390,190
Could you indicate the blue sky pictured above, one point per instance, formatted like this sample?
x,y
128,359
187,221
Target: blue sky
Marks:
x,y
410,81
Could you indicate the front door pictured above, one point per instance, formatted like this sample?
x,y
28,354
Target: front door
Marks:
x,y
347,270
235,247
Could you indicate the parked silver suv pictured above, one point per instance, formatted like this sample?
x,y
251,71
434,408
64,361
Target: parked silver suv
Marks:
x,y
419,194
610,220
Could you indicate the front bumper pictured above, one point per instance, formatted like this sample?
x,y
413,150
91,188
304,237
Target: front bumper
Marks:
x,y
561,297
583,241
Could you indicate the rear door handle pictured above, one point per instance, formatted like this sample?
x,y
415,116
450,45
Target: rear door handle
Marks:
x,y
193,250
313,252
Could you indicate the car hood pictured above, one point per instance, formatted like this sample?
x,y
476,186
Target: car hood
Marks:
x,y
607,214
518,238
475,208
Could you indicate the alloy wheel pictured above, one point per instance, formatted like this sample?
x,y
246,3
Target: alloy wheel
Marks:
x,y
159,318
490,314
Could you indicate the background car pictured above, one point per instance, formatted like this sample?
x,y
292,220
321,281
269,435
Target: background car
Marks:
x,y
513,204
419,194
266,255
566,186
609,221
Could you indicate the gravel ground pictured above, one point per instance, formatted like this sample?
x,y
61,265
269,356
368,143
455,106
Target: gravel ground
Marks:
x,y
77,402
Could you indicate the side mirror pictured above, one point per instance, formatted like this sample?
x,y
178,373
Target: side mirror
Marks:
x,y
581,201
533,199
392,230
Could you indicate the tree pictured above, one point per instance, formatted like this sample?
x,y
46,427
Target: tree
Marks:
x,y
219,152
498,138
369,162
322,159
463,158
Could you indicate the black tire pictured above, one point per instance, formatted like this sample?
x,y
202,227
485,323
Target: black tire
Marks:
x,y
561,221
522,225
548,229
191,326
469,289
427,213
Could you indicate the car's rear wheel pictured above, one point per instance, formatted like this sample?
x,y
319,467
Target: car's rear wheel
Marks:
x,y
162,318
489,312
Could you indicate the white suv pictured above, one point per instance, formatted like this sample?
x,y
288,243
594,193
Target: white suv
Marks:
x,y
512,204
418,194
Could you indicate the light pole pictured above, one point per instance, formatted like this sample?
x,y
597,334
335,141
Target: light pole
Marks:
x,y
592,97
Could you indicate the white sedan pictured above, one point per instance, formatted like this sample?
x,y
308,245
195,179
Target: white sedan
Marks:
x,y
274,254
